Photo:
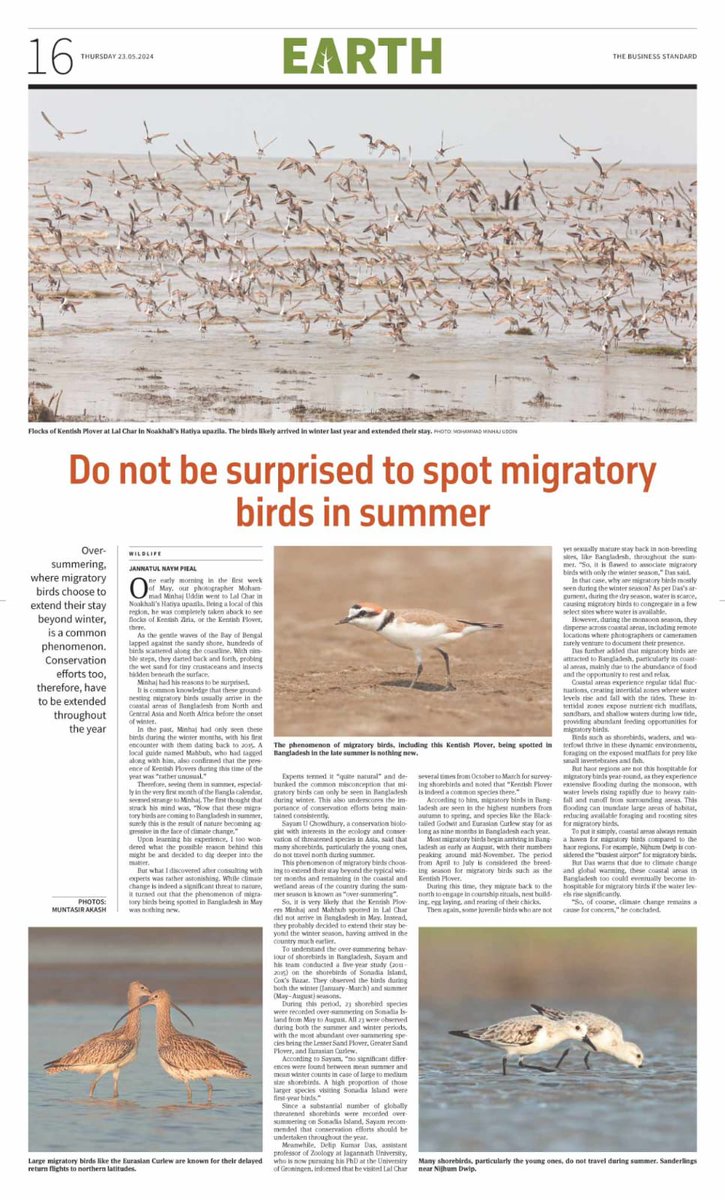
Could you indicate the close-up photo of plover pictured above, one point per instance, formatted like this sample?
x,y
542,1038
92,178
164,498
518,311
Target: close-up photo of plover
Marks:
x,y
462,644
416,629
494,1077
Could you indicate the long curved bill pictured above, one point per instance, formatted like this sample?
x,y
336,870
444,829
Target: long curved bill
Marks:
x,y
143,1003
182,1012
136,1007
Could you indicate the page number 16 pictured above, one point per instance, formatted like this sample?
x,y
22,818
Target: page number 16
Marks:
x,y
60,60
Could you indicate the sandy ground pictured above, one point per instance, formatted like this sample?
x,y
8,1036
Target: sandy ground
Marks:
x,y
335,681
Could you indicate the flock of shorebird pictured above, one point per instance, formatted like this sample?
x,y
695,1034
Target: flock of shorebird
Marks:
x,y
182,1056
380,241
520,1037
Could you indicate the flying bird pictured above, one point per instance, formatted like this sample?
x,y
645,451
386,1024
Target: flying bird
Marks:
x,y
150,137
261,148
577,151
61,133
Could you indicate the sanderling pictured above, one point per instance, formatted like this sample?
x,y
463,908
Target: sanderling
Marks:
x,y
520,1036
415,629
604,1035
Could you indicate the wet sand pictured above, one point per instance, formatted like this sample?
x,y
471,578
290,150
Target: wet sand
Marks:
x,y
334,681
114,363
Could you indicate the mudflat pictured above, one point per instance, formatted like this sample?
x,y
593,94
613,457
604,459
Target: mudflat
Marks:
x,y
339,681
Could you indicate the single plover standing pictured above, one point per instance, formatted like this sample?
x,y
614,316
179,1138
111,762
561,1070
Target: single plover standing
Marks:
x,y
603,1035
520,1036
415,629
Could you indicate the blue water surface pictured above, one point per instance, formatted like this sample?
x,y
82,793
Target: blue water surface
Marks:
x,y
467,1104
151,1113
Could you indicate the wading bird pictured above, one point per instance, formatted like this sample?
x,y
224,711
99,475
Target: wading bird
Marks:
x,y
519,1037
108,1052
603,1035
184,1057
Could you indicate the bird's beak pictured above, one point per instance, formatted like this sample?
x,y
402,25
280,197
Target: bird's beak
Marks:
x,y
135,1008
589,1042
182,1013
343,621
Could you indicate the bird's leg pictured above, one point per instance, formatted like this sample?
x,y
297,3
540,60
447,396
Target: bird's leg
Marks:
x,y
504,1064
419,657
556,1068
450,687
586,1060
209,1090
188,1091
93,1086
115,1085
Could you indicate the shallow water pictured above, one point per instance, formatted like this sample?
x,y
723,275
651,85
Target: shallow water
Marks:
x,y
467,1104
114,363
151,1113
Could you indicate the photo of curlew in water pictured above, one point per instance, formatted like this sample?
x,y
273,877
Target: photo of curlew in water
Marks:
x,y
356,255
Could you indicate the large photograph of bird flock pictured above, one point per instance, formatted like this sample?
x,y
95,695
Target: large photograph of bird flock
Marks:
x,y
355,255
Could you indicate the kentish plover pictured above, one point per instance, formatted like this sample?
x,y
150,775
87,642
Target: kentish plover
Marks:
x,y
520,1036
415,629
603,1035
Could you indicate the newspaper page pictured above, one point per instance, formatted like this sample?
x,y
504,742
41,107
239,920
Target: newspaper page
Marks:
x,y
361,601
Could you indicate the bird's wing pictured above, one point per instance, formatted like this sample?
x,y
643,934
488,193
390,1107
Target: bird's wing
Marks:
x,y
196,1054
518,1031
105,1048
421,616
47,118
554,1014
596,1023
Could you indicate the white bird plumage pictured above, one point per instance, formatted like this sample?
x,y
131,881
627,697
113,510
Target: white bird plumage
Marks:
x,y
605,1036
519,1037
415,629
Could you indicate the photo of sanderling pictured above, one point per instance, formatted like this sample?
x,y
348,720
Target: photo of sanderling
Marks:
x,y
610,1065
374,255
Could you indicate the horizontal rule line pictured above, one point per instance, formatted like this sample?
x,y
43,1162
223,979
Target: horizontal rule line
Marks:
x,y
356,28
244,87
